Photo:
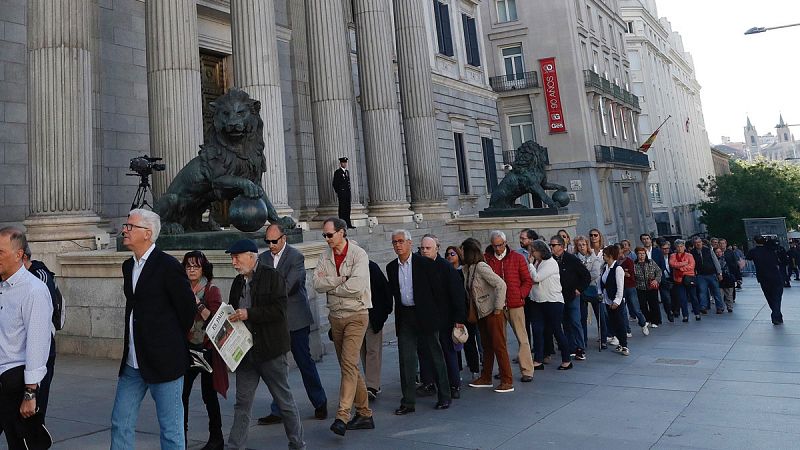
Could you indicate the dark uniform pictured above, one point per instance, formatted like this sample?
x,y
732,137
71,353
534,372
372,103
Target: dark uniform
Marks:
x,y
341,185
769,275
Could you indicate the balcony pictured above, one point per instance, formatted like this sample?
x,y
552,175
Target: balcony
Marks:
x,y
619,155
514,81
594,81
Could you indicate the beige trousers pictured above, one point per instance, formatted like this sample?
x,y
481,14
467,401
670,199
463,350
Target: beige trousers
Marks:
x,y
516,318
371,357
348,335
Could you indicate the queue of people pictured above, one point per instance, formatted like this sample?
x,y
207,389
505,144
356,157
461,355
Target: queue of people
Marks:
x,y
452,311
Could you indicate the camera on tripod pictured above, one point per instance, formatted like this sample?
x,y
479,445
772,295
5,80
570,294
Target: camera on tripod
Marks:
x,y
146,165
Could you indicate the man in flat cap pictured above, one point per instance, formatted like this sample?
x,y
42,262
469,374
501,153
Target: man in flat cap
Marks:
x,y
341,185
258,295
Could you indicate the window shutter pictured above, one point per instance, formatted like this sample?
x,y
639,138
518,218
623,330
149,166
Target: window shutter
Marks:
x,y
447,37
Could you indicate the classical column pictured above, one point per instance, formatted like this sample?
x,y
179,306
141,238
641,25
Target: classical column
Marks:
x,y
173,86
331,99
60,147
419,118
255,68
380,115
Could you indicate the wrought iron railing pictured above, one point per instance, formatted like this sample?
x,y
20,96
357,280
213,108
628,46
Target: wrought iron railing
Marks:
x,y
619,155
510,82
593,80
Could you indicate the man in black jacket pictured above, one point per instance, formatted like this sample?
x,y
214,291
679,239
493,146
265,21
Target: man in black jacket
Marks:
x,y
159,309
709,274
768,274
452,313
258,294
415,284
372,350
575,278
341,185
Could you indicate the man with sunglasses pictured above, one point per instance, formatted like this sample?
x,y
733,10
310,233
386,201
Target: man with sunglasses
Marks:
x,y
159,311
291,265
342,274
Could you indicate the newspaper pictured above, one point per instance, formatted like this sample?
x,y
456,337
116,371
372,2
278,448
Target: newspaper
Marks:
x,y
231,339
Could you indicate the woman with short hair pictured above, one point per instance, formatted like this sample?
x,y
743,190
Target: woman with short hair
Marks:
x,y
648,278
612,285
548,307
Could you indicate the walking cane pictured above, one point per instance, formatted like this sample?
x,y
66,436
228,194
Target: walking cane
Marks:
x,y
599,325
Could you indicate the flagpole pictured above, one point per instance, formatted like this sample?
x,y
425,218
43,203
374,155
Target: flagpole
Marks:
x,y
649,142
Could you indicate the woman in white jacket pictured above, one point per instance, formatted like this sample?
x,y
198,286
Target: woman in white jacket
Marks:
x,y
548,304
612,286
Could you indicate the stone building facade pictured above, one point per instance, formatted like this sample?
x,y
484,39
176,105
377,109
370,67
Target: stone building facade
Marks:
x,y
663,76
86,85
596,158
780,146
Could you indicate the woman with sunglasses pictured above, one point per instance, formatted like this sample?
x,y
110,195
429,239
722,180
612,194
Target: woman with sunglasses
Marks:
x,y
208,299
596,242
569,247
472,352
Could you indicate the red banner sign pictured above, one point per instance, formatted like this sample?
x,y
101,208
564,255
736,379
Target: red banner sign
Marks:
x,y
552,96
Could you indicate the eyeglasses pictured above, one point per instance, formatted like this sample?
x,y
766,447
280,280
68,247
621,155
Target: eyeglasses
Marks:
x,y
499,245
401,242
130,226
326,235
275,241
563,236
193,267
594,235
555,244
452,254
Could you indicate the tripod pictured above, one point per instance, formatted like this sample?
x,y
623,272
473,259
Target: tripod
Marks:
x,y
140,199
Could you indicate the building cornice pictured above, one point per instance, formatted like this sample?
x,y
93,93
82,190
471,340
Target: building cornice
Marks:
x,y
464,86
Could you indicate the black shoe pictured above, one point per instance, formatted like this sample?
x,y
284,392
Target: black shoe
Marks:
x,y
373,393
567,367
720,311
444,404
704,312
526,379
214,444
686,319
426,390
539,367
696,317
271,419
730,310
360,422
339,427
403,410
515,360
321,412
670,318
455,393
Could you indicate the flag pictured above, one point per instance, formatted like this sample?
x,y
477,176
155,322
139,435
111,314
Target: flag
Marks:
x,y
649,142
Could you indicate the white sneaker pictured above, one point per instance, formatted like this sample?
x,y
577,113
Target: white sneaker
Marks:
x,y
645,329
653,326
629,334
619,349
612,340
625,351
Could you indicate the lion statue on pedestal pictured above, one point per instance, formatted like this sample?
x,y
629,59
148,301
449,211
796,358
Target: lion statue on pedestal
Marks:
x,y
528,176
230,163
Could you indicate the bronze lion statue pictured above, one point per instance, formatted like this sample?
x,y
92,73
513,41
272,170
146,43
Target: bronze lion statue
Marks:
x,y
229,163
527,176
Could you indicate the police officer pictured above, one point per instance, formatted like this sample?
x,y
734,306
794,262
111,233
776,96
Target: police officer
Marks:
x,y
768,274
341,185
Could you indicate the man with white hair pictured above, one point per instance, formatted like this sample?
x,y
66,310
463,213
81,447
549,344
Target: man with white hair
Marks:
x,y
258,294
159,309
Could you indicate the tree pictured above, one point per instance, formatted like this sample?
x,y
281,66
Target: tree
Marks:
x,y
753,189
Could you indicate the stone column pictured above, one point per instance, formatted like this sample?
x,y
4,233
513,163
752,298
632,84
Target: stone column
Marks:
x,y
331,99
380,115
255,69
173,86
419,117
60,147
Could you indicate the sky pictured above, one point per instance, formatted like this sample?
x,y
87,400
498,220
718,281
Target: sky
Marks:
x,y
756,75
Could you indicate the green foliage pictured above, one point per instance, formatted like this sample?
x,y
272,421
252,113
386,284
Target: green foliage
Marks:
x,y
753,189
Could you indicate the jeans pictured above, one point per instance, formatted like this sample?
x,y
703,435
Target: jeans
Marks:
x,y
167,396
275,373
552,314
576,338
691,292
773,291
632,300
409,338
616,324
665,292
209,399
308,370
472,348
704,283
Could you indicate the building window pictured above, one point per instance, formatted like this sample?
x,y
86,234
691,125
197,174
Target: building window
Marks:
x,y
471,41
512,60
786,137
489,163
578,10
752,140
613,119
461,163
589,17
634,133
655,193
630,27
602,110
622,124
521,129
506,10
611,36
601,27
444,37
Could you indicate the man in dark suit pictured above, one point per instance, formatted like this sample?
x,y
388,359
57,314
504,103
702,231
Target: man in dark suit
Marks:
x,y
159,309
372,349
768,274
415,284
341,185
291,265
258,294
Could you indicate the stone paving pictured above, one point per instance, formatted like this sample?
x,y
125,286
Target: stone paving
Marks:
x,y
729,381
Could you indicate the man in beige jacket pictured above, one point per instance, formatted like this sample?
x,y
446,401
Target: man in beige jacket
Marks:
x,y
342,273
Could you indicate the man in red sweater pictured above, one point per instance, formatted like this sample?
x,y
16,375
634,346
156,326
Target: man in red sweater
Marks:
x,y
513,269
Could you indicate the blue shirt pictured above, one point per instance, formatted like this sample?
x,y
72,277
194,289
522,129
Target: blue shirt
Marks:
x,y
26,326
406,281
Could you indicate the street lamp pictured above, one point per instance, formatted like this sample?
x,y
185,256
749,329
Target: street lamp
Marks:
x,y
756,30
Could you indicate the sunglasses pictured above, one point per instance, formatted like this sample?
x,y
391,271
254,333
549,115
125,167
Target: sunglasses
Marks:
x,y
451,253
325,235
555,244
275,241
594,235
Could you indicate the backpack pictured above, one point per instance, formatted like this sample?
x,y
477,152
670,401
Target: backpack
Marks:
x,y
59,313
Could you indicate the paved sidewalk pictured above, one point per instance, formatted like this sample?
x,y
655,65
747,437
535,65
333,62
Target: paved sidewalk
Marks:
x,y
729,381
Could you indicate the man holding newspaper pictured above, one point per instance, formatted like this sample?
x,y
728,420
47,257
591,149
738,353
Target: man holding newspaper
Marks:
x,y
258,296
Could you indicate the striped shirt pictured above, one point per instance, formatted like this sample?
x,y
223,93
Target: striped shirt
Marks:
x,y
26,313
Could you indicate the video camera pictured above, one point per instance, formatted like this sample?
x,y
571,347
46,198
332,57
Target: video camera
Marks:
x,y
146,165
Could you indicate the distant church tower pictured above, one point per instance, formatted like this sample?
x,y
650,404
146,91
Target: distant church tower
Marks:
x,y
751,140
783,133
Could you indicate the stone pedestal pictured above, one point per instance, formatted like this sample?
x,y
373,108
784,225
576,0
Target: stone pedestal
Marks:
x,y
546,226
60,157
173,86
255,68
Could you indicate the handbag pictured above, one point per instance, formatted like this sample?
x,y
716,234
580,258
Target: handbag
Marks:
x,y
460,335
689,280
589,294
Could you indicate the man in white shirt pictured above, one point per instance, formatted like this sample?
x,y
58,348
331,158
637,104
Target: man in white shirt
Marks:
x,y
26,312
